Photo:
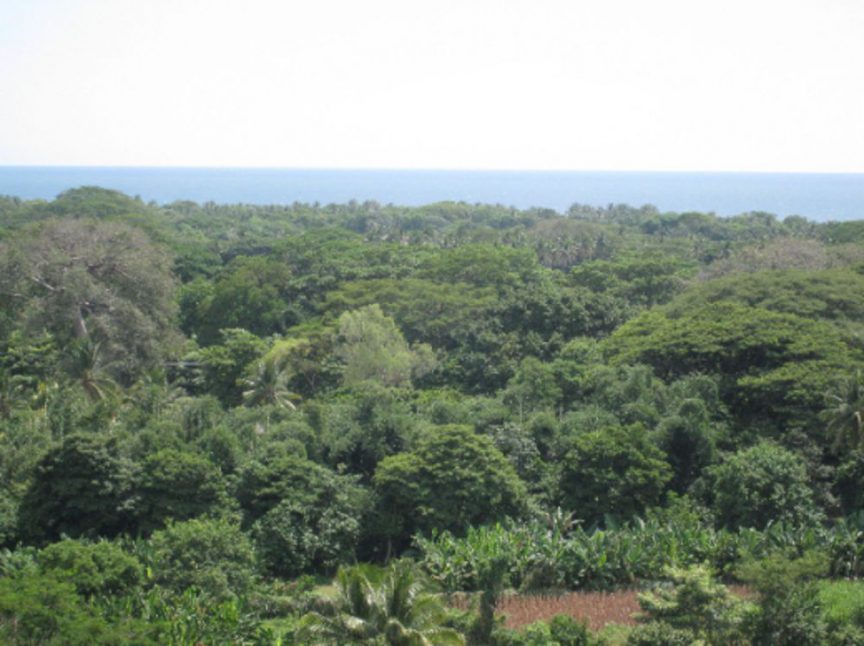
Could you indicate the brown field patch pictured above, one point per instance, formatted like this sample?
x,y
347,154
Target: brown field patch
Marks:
x,y
596,608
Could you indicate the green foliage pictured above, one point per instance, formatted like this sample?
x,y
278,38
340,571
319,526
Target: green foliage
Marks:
x,y
835,295
83,365
426,311
532,388
263,485
176,485
482,266
561,630
183,619
699,604
303,516
615,472
603,360
94,201
850,482
80,488
371,347
843,604
790,613
364,425
660,634
844,412
249,293
267,385
100,568
566,631
220,368
28,360
42,610
389,607
293,537
643,280
559,554
760,485
8,518
688,441
453,479
213,556
83,278
772,365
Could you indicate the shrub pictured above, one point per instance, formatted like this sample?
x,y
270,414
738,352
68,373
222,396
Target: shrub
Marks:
x,y
213,556
93,568
697,603
293,538
790,612
661,634
42,610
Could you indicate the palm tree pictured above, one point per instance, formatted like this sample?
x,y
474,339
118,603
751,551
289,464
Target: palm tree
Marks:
x,y
268,386
845,412
84,366
388,608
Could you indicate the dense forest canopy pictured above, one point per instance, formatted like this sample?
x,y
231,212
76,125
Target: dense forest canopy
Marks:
x,y
198,401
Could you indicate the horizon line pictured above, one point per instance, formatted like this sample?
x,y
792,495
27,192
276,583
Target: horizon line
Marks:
x,y
418,169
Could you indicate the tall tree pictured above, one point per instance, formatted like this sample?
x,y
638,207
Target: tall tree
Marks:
x,y
84,279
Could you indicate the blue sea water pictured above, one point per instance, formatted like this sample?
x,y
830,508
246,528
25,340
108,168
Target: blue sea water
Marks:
x,y
816,196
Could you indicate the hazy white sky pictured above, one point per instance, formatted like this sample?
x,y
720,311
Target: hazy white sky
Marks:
x,y
759,85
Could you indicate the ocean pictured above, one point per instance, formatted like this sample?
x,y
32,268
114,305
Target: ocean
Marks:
x,y
818,197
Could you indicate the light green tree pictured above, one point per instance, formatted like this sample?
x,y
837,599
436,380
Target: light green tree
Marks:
x,y
372,348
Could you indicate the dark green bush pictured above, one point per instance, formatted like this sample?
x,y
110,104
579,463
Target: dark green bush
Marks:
x,y
93,568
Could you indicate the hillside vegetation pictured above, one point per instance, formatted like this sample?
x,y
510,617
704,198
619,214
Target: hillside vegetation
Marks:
x,y
207,411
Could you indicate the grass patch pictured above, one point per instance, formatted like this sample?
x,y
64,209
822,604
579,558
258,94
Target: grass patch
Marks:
x,y
843,601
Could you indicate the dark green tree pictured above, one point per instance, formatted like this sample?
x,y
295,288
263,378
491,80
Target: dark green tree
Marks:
x,y
844,412
759,485
453,479
39,609
687,439
790,612
219,369
295,538
177,485
616,471
82,487
250,294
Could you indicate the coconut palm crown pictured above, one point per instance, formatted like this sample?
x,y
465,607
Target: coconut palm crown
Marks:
x,y
373,607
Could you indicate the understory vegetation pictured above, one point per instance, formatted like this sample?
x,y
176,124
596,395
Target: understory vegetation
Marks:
x,y
373,424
